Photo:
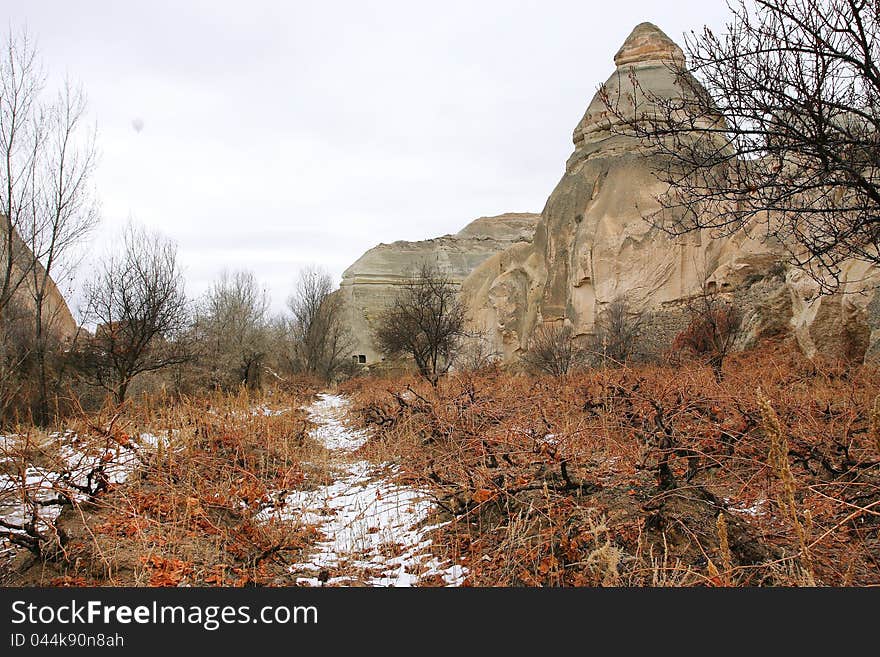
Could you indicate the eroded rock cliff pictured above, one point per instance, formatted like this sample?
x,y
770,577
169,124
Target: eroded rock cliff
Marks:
x,y
371,282
56,314
596,242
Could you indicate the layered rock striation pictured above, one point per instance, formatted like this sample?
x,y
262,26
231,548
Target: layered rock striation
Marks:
x,y
596,242
371,283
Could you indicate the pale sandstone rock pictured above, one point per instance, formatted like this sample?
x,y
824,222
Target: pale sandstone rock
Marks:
x,y
647,43
55,310
845,324
595,242
371,282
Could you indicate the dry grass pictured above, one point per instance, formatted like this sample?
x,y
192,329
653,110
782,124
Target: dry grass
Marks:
x,y
651,476
647,476
186,513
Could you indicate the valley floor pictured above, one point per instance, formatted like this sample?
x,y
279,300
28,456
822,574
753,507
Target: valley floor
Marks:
x,y
375,530
651,475
656,475
340,521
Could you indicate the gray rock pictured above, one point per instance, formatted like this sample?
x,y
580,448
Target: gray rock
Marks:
x,y
373,280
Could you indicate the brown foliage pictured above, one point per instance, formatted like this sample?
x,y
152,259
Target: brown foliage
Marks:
x,y
186,515
648,476
715,325
645,476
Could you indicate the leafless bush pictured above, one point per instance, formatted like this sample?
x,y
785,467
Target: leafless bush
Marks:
x,y
617,331
425,321
475,353
138,304
714,326
553,350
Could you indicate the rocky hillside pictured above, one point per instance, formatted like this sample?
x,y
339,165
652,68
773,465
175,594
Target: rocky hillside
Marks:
x,y
594,244
371,282
55,311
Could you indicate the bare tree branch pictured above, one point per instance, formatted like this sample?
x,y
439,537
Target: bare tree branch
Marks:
x,y
321,339
425,321
138,303
775,131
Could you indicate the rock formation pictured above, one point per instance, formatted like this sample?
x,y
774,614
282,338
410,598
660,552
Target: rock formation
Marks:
x,y
371,282
55,310
595,242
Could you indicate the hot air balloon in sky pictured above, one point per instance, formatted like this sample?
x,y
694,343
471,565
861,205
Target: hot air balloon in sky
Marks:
x,y
137,124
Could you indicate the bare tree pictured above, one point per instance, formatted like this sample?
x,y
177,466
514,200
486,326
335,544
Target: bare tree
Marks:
x,y
424,321
617,331
22,122
233,328
554,351
64,211
321,339
48,206
785,134
138,303
714,326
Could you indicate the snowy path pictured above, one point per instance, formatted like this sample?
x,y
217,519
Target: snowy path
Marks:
x,y
374,529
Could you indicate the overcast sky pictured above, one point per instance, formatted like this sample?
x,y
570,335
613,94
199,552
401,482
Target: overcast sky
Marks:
x,y
278,134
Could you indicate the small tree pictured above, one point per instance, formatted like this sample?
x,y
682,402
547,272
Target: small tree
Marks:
x,y
233,328
714,326
138,303
425,321
321,339
617,331
553,350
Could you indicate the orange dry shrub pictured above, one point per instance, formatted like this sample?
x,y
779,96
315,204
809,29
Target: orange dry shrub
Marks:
x,y
707,332
647,475
187,514
166,572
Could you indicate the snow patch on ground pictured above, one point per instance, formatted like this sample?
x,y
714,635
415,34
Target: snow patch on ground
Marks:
x,y
22,491
264,410
375,529
754,510
269,412
328,413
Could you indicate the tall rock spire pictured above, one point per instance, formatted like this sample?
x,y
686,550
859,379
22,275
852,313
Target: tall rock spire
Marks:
x,y
649,66
648,43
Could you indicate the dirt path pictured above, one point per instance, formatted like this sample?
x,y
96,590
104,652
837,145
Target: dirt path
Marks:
x,y
375,530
